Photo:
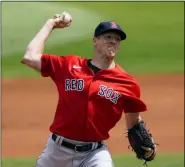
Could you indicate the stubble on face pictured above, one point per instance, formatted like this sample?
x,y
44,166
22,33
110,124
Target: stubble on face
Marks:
x,y
107,45
111,46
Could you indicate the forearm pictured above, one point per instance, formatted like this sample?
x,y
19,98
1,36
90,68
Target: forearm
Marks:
x,y
35,48
37,44
132,119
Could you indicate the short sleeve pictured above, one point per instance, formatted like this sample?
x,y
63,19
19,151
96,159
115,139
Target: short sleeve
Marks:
x,y
50,65
132,103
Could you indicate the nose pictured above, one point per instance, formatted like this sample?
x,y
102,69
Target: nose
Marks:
x,y
113,41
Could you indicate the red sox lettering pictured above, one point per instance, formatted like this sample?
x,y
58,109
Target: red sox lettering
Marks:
x,y
109,93
78,85
74,85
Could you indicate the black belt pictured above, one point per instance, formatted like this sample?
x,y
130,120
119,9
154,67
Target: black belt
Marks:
x,y
77,148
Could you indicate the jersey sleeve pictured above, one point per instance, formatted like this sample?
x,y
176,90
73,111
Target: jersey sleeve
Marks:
x,y
132,105
50,65
132,102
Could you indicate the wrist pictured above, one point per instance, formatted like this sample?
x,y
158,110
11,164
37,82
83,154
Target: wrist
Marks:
x,y
132,119
50,24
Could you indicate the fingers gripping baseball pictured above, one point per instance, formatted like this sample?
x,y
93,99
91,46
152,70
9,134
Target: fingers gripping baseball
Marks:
x,y
62,20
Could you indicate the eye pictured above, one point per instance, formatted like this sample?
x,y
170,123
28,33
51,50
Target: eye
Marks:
x,y
117,39
108,37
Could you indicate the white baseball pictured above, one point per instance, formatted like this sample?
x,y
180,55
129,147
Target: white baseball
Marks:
x,y
66,17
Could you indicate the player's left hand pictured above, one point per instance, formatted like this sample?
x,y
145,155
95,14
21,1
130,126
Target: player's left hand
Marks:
x,y
142,142
150,153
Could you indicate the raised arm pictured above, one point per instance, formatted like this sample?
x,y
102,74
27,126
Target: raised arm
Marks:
x,y
34,51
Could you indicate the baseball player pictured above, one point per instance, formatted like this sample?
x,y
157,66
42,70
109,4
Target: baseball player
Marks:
x,y
93,96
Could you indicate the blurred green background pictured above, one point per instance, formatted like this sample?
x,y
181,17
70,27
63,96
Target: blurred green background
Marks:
x,y
155,44
155,31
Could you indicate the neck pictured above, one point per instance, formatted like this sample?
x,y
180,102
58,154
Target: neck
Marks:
x,y
103,63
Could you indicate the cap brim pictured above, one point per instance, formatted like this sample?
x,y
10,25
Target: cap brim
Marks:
x,y
120,32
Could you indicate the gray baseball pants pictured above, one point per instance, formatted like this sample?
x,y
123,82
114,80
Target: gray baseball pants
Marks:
x,y
55,155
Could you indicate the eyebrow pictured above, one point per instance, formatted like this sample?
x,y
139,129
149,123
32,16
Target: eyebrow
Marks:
x,y
113,35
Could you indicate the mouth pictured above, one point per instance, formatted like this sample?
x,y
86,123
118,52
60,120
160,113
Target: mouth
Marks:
x,y
111,49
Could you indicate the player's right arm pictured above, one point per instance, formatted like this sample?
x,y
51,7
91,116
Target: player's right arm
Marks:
x,y
34,50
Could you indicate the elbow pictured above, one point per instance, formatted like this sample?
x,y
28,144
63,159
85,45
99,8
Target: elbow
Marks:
x,y
25,60
27,56
32,59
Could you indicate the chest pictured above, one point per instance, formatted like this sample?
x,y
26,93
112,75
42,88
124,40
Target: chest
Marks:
x,y
77,83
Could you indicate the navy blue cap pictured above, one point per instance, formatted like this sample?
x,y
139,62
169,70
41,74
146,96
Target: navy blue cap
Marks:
x,y
107,27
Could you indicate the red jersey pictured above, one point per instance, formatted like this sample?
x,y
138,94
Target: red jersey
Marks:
x,y
89,104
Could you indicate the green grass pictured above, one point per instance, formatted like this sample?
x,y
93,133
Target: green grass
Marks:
x,y
162,160
155,33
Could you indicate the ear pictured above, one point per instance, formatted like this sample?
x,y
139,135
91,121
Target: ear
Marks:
x,y
94,41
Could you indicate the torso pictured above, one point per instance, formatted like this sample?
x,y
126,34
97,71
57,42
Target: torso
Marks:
x,y
90,103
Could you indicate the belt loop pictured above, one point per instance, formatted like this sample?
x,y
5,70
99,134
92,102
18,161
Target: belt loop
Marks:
x,y
57,139
96,145
93,146
60,140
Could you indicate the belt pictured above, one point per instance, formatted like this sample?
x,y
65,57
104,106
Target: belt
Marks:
x,y
77,148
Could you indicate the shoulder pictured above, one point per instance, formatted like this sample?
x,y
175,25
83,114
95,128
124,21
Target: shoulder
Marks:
x,y
67,57
71,57
128,81
123,74
70,60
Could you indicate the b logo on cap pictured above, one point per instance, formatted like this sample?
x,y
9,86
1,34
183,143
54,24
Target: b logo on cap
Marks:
x,y
113,25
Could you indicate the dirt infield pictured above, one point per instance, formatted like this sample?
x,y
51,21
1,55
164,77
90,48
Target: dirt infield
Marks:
x,y
28,108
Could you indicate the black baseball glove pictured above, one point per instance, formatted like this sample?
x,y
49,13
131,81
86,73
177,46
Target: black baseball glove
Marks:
x,y
142,142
